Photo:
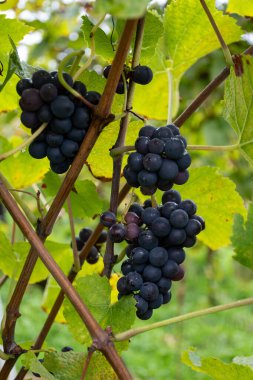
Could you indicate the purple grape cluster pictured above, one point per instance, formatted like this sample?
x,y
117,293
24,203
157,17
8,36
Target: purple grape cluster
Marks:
x,y
94,253
160,160
155,251
45,100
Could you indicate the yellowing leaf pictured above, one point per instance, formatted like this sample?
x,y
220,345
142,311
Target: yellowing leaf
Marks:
x,y
242,8
121,8
217,202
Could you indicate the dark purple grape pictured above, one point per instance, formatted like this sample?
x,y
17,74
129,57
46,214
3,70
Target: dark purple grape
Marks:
x,y
146,315
174,129
189,241
146,178
183,139
126,267
179,276
171,196
55,155
81,118
93,256
41,77
164,285
102,238
177,236
38,150
139,256
62,126
132,217
122,286
164,184
67,349
79,244
149,214
199,219
44,114
148,190
142,75
48,92
147,131
160,227
156,303
69,148
135,161
167,209
106,71
129,250
139,268
121,88
62,107
22,85
158,256
170,269
152,162
141,144
117,233
193,227
179,218
163,133
54,139
84,234
156,146
131,176
57,83
147,203
30,100
168,169
181,178
176,254
76,135
60,168
108,218
30,120
141,304
152,273
132,232
149,291
188,206
136,208
80,87
166,298
93,97
184,162
147,240
133,281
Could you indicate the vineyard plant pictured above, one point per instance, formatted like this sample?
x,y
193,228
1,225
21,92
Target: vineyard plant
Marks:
x,y
126,222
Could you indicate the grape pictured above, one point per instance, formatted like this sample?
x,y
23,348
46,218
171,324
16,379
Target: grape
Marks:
x,y
141,304
126,267
41,138
76,135
164,284
136,208
121,88
156,146
106,71
84,234
62,107
163,133
181,178
148,190
168,169
54,139
30,100
146,178
129,249
177,236
134,281
171,196
152,162
164,184
183,140
199,219
61,125
102,238
80,87
179,276
184,162
174,129
139,268
67,349
146,315
147,131
55,155
122,286
147,240
57,83
166,297
167,209
135,161
79,244
93,97
40,77
93,256
147,203
44,114
38,149
170,268
149,291
23,84
117,233
48,92
156,303
149,214
158,256
108,218
131,176
151,273
132,217
132,232
188,206
81,118
193,227
142,75
160,227
139,255
190,241
174,148
30,119
69,148
176,254
179,218
141,144
60,168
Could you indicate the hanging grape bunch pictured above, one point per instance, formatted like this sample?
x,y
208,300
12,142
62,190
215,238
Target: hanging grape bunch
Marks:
x,y
140,74
45,100
94,253
160,160
156,237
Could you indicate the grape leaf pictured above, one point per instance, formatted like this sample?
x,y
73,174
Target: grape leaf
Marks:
x,y
96,294
69,365
238,109
215,368
120,8
217,200
10,4
27,170
30,361
242,238
242,8
99,160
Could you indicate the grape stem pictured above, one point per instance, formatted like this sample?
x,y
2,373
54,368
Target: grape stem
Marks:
x,y
226,51
4,356
170,95
76,62
126,335
121,149
77,265
24,144
217,148
153,200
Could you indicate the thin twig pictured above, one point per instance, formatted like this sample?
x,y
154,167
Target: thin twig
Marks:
x,y
73,236
86,363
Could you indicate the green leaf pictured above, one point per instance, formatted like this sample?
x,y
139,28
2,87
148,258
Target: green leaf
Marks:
x,y
100,161
10,4
242,8
95,291
217,202
215,368
6,253
242,238
121,8
30,361
238,109
21,170
86,202
69,365
103,47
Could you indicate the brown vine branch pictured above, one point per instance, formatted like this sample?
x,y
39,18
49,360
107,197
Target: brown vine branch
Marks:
x,y
87,362
100,336
73,237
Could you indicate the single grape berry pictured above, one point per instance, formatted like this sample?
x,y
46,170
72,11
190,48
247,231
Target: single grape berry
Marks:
x,y
30,120
132,217
41,77
171,196
122,286
62,107
136,208
44,114
102,238
146,315
179,276
126,267
166,297
174,148
179,218
160,227
168,169
149,291
146,178
55,155
132,232
170,268
184,162
23,84
152,273
81,118
76,135
174,129
67,349
188,206
61,125
84,234
139,255
48,92
156,303
176,254
131,176
193,227
80,87
152,162
108,218
200,220
54,139
79,244
147,131
60,168
147,240
93,97
135,161
163,133
156,146
133,281
69,148
117,233
149,214
141,144
182,177
158,256
141,305
38,149
30,100
142,75
93,256
164,285
167,209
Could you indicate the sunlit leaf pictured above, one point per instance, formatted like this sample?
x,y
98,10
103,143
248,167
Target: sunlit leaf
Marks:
x,y
242,8
121,8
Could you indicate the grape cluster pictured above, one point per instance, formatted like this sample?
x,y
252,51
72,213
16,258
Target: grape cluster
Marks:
x,y
155,253
160,160
140,74
45,100
94,253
